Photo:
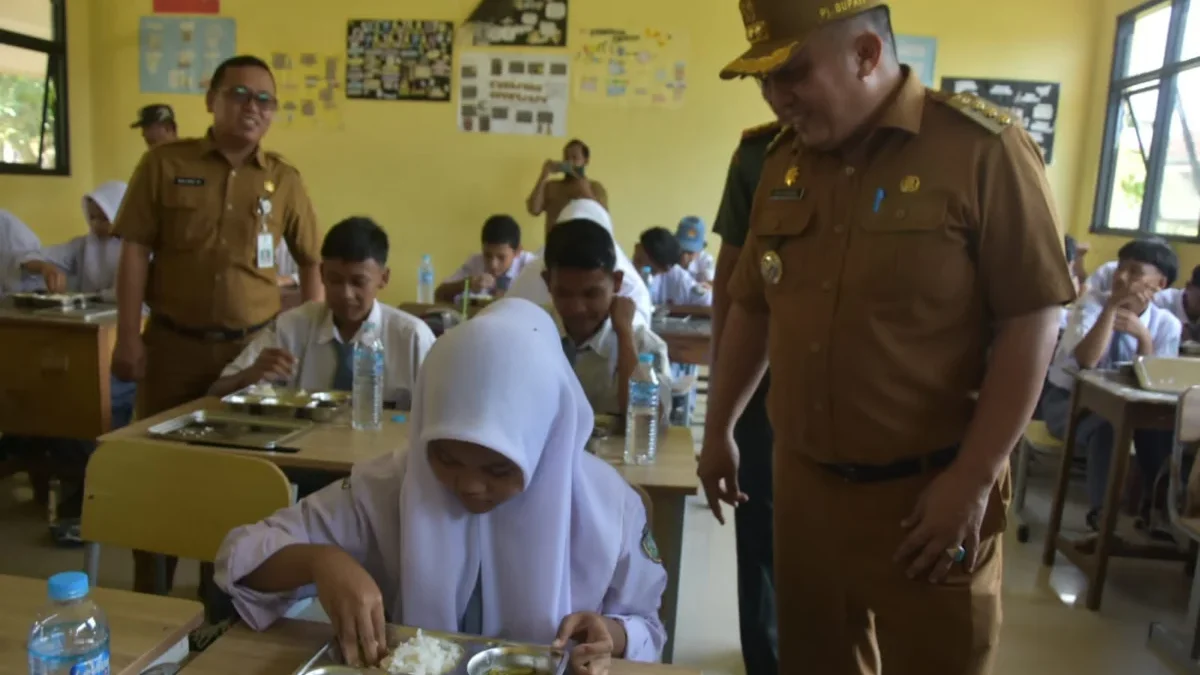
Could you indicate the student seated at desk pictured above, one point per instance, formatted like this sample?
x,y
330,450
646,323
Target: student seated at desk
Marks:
x,y
698,262
599,335
16,240
495,522
1184,303
311,346
1103,332
670,283
88,263
493,270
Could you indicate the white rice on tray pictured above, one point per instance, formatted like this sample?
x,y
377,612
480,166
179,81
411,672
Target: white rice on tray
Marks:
x,y
423,655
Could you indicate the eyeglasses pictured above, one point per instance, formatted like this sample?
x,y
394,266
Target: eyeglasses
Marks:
x,y
243,95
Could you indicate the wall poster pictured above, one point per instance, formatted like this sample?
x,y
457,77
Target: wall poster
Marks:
x,y
177,55
398,60
1035,104
920,54
635,68
523,23
510,93
308,87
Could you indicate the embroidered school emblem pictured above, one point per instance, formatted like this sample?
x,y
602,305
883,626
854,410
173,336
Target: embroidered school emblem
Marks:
x,y
649,546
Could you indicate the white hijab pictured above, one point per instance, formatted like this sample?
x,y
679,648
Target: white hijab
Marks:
x,y
100,257
530,285
501,381
16,241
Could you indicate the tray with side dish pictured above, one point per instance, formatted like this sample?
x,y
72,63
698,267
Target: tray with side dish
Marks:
x,y
275,401
204,427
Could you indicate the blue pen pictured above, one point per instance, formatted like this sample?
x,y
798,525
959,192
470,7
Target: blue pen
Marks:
x,y
879,194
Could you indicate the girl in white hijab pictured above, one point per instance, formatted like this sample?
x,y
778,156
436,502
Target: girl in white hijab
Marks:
x,y
531,285
87,263
16,241
495,522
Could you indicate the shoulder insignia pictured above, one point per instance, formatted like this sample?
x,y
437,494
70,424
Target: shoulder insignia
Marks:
x,y
978,110
784,134
649,546
768,129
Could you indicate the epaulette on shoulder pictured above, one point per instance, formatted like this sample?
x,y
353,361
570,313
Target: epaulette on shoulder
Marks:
x,y
978,110
768,129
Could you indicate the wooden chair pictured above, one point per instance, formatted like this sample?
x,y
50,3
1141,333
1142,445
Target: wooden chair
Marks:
x,y
173,501
1037,438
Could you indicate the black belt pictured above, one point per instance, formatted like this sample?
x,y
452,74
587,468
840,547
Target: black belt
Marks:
x,y
905,468
209,334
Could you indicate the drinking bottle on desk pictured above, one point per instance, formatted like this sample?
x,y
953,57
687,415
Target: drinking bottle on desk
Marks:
x,y
366,397
425,281
641,418
70,634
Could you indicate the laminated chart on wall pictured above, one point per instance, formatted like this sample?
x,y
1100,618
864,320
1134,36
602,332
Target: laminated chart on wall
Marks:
x,y
646,67
512,93
399,60
1035,104
920,54
308,86
524,23
177,55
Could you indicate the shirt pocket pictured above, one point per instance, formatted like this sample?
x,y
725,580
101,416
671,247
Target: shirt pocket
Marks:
x,y
183,224
788,229
914,253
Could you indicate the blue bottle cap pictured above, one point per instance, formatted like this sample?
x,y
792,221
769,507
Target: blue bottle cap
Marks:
x,y
645,358
68,586
400,418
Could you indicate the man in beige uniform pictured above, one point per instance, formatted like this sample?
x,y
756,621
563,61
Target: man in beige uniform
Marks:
x,y
897,236
549,197
210,211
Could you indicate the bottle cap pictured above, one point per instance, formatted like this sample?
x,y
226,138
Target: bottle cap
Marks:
x,y
645,358
426,258
68,586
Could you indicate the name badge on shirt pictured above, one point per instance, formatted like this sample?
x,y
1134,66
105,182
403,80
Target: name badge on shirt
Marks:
x,y
266,250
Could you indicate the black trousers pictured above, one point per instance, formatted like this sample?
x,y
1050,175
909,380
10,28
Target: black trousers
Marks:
x,y
755,542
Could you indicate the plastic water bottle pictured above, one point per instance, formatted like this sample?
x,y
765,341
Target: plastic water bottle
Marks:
x,y
647,275
425,285
70,635
641,418
366,399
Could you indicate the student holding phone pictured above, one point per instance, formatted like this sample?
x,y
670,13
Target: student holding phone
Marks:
x,y
550,196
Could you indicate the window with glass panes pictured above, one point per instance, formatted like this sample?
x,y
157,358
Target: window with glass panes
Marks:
x,y
34,136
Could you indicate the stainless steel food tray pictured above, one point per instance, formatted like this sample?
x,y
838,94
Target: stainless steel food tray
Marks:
x,y
43,300
202,427
479,655
319,406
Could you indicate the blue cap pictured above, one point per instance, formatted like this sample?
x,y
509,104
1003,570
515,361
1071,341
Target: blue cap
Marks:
x,y
645,358
68,586
691,234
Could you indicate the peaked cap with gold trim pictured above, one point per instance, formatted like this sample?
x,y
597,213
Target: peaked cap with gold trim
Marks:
x,y
776,29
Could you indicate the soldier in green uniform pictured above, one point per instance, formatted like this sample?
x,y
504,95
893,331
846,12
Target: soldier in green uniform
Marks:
x,y
753,520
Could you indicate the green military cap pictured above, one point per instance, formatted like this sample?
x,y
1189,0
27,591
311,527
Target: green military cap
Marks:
x,y
777,28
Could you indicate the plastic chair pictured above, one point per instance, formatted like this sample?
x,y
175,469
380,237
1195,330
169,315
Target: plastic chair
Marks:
x,y
173,501
1037,438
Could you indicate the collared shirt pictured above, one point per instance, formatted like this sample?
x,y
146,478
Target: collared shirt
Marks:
x,y
285,264
308,332
89,262
595,363
703,267
894,263
200,218
475,265
677,286
563,191
1164,330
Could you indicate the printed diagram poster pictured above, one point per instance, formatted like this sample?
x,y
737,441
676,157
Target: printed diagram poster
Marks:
x,y
509,93
1035,104
635,68
307,87
525,23
177,55
920,54
396,60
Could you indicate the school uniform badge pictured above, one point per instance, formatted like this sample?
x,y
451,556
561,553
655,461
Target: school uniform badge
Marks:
x,y
649,546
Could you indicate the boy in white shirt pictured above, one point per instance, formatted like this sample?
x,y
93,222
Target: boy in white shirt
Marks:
x,y
670,283
492,271
599,335
1184,303
311,346
1104,331
698,262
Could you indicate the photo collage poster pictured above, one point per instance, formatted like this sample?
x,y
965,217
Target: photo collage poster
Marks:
x,y
508,93
177,55
632,68
520,23
399,60
308,88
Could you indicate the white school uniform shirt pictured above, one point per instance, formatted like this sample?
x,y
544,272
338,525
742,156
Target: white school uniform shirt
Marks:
x,y
16,240
703,267
677,286
285,264
89,262
1171,299
1164,329
475,266
595,364
307,332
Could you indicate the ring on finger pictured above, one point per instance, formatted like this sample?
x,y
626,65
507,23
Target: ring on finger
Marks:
x,y
957,553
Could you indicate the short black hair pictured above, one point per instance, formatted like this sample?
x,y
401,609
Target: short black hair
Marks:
x,y
583,147
502,229
242,61
1195,276
661,246
580,244
1152,251
1070,248
356,239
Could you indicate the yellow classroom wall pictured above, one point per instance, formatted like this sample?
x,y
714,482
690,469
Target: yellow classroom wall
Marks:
x,y
408,166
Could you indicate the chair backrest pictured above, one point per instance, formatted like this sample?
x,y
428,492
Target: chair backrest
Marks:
x,y
1184,494
174,500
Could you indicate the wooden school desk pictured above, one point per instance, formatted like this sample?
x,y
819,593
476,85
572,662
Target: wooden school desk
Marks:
x,y
143,626
689,340
1117,398
335,447
289,644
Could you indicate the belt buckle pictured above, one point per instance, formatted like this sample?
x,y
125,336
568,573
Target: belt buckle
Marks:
x,y
850,472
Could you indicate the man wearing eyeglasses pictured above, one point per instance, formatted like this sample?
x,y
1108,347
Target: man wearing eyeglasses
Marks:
x,y
199,226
